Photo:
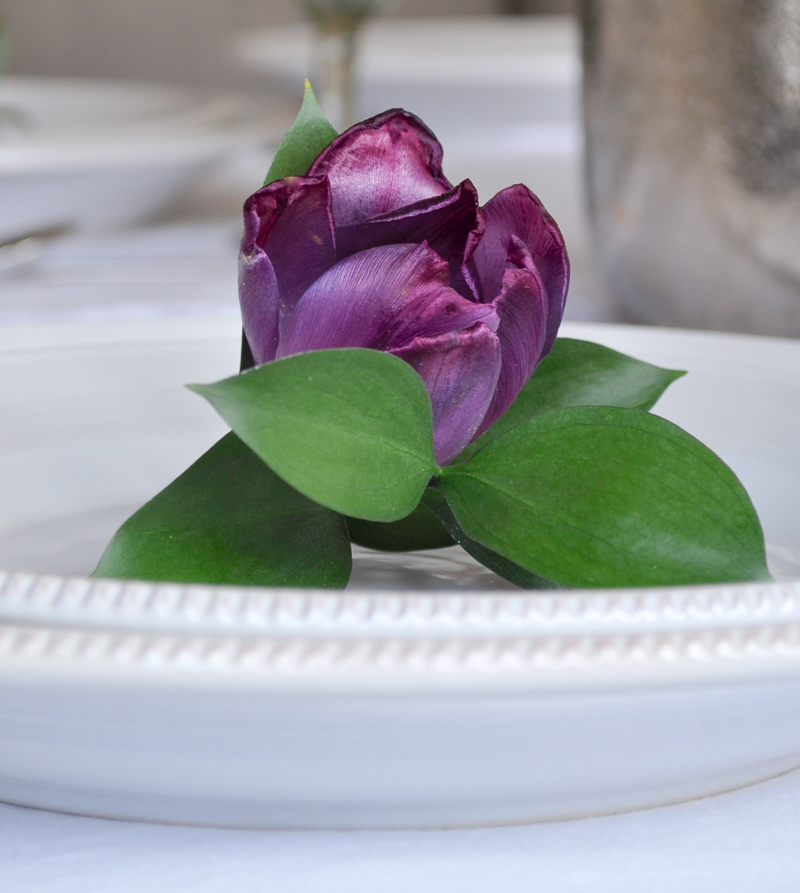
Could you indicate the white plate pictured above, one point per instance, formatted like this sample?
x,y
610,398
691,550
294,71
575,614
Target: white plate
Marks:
x,y
93,153
374,707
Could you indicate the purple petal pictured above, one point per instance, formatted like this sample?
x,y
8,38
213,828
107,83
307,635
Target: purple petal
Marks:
x,y
290,221
460,371
523,310
381,298
517,211
381,164
451,223
260,303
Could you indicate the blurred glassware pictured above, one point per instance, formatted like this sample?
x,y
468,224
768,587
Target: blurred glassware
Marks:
x,y
692,114
496,76
337,24
3,46
9,116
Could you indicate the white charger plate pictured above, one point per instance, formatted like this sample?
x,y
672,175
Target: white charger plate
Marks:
x,y
96,153
385,705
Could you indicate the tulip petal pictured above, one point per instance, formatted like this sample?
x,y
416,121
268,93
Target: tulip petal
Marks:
x,y
523,310
259,302
290,220
517,211
380,298
460,371
451,223
381,164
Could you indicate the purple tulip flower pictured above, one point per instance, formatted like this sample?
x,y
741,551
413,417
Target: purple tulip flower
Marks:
x,y
375,248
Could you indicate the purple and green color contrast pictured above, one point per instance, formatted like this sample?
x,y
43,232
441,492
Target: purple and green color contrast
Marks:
x,y
402,388
375,248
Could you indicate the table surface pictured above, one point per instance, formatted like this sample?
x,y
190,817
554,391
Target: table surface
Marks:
x,y
738,842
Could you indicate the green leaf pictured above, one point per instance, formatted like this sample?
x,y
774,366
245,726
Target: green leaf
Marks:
x,y
228,519
494,561
310,133
350,428
420,530
581,373
607,496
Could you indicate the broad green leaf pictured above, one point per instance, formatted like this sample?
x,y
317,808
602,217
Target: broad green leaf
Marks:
x,y
228,519
494,561
420,530
310,133
607,496
349,428
581,373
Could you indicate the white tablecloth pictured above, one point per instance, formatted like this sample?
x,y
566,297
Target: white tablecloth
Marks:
x,y
741,842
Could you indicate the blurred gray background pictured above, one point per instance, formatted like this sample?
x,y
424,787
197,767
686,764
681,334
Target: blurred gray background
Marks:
x,y
498,129
184,41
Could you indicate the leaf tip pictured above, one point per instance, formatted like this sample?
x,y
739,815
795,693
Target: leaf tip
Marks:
x,y
204,390
310,98
308,135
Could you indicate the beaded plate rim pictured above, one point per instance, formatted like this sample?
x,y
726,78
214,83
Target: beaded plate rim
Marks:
x,y
89,625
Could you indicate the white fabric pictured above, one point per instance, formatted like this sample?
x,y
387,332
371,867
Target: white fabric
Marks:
x,y
740,842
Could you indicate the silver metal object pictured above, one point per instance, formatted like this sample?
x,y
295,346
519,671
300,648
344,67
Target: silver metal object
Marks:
x,y
692,112
26,248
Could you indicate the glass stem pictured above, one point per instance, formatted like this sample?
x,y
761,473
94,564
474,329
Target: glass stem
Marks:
x,y
334,63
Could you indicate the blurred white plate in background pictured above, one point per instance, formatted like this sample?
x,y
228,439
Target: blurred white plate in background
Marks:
x,y
393,704
500,92
97,154
493,74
